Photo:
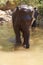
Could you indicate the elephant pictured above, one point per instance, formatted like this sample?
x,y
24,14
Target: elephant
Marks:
x,y
22,20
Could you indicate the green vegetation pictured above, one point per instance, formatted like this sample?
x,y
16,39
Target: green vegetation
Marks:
x,y
16,2
19,1
11,4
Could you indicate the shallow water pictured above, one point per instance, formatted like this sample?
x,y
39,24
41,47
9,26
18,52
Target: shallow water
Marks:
x,y
21,56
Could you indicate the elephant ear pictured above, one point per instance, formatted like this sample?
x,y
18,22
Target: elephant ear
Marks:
x,y
16,9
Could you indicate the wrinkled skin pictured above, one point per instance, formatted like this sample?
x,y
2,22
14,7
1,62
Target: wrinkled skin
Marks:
x,y
22,24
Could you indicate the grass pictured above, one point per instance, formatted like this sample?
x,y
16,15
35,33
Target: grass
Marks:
x,y
6,33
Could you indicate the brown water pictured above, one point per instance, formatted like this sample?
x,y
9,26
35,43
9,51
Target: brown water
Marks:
x,y
22,56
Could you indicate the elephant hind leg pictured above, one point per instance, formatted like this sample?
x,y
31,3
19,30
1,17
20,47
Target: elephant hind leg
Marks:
x,y
26,36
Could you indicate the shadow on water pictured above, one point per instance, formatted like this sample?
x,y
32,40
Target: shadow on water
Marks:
x,y
12,40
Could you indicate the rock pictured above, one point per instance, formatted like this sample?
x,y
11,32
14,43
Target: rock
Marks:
x,y
5,16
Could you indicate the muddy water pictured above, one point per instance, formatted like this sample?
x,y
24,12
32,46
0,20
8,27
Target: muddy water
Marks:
x,y
32,56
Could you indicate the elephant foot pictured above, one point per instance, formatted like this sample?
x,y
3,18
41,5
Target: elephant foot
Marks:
x,y
26,46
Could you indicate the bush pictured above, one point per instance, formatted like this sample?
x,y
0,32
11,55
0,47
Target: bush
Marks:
x,y
40,10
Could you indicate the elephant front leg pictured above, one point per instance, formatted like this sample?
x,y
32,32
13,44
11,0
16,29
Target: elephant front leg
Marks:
x,y
18,39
